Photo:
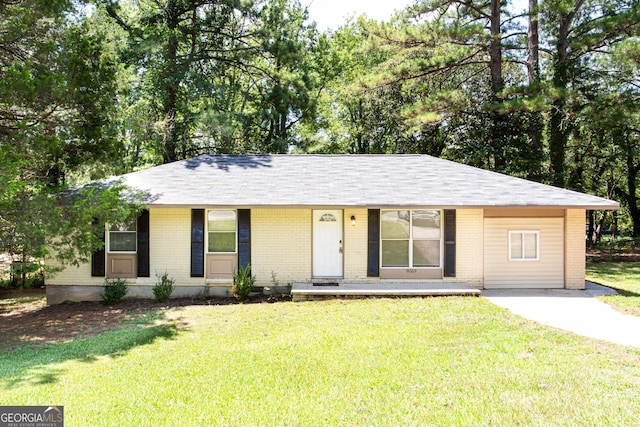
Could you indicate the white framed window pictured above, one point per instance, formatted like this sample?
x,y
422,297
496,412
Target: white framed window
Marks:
x,y
524,245
411,239
222,231
123,238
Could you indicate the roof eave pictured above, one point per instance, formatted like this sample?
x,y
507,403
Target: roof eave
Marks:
x,y
614,206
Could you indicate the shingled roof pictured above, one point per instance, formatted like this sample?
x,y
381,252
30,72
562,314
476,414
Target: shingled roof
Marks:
x,y
344,180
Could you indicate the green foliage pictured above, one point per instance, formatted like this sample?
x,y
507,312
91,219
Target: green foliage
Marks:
x,y
243,283
114,291
163,288
229,77
58,84
24,275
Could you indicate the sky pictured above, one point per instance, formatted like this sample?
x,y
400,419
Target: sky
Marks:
x,y
330,14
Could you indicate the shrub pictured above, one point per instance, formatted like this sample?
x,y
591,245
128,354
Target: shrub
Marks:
x,y
22,275
243,283
163,288
114,291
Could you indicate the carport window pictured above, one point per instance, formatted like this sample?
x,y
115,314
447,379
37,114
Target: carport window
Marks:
x,y
524,245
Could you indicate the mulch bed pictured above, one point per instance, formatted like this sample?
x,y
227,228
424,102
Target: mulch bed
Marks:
x,y
35,322
611,255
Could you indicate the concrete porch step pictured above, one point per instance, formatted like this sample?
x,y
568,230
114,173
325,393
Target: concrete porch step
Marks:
x,y
303,291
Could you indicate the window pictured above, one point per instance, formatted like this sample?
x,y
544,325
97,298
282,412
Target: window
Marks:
x,y
123,237
221,231
524,245
328,218
410,239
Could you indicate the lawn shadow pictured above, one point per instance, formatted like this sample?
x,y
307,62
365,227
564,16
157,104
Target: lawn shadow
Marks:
x,y
32,364
626,293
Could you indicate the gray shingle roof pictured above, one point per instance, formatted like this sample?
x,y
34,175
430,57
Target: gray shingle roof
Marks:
x,y
344,180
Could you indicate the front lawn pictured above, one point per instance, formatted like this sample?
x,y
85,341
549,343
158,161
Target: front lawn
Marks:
x,y
397,362
622,276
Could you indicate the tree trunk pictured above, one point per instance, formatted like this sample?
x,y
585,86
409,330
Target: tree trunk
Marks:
x,y
558,133
590,229
558,118
283,137
495,50
497,85
533,43
632,199
535,119
170,99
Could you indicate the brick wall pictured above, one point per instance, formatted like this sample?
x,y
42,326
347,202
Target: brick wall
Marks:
x,y
170,250
80,275
281,243
170,246
575,248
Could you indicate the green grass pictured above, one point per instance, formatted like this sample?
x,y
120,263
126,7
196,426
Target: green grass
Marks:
x,y
623,276
7,304
386,362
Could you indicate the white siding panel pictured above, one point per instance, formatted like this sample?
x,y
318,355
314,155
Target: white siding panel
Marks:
x,y
547,272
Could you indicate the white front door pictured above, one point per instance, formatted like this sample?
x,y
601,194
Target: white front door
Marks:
x,y
327,243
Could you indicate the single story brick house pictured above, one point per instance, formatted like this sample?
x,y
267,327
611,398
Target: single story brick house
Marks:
x,y
345,218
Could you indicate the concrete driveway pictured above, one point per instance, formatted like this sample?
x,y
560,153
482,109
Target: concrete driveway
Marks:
x,y
576,311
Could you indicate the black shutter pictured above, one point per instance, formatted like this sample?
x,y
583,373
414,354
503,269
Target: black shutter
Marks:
x,y
98,259
450,243
197,242
143,244
373,264
244,237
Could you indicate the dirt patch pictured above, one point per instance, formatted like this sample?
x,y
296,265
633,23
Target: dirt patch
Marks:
x,y
612,255
25,317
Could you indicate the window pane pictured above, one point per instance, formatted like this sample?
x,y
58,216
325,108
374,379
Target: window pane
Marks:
x,y
530,245
129,225
395,224
328,218
426,253
122,242
426,224
222,220
222,242
516,245
395,253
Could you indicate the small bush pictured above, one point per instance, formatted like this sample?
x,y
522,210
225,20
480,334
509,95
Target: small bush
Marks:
x,y
24,275
163,288
114,291
243,283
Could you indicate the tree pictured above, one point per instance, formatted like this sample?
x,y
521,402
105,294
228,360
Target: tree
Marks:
x,y
582,31
57,87
607,131
452,60
169,41
219,75
356,115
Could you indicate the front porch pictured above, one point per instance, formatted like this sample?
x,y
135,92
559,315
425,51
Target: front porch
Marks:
x,y
305,291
